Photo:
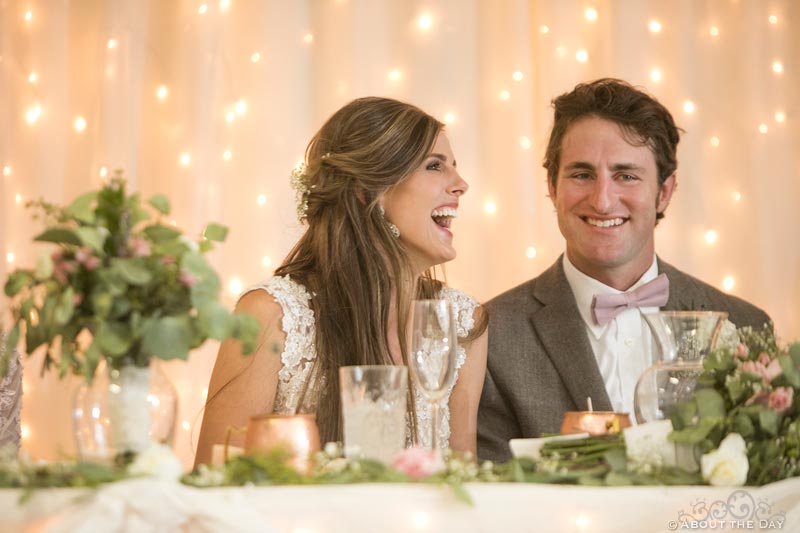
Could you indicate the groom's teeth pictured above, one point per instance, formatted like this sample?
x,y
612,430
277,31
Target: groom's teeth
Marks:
x,y
605,223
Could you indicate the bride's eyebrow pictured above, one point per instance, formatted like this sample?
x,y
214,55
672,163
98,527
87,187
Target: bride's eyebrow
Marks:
x,y
442,158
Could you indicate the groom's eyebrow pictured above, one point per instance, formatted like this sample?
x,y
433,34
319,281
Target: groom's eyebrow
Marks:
x,y
575,165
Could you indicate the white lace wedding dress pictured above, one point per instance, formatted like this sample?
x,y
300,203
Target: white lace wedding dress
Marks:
x,y
11,402
299,353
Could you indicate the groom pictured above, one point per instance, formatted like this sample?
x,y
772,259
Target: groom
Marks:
x,y
577,330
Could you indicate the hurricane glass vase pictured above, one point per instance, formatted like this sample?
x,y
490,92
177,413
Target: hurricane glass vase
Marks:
x,y
683,339
124,410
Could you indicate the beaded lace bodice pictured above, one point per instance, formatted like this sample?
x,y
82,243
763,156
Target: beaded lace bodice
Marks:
x,y
299,353
11,401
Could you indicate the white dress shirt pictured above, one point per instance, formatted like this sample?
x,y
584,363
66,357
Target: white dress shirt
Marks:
x,y
624,346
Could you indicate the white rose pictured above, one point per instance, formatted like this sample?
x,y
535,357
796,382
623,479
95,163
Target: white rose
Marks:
x,y
727,465
728,336
189,243
159,461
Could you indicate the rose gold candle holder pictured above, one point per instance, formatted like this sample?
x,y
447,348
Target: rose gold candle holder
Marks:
x,y
594,422
298,434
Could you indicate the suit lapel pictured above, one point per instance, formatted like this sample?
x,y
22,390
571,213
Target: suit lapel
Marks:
x,y
562,332
683,294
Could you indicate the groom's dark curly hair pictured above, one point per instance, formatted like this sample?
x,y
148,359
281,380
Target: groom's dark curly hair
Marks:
x,y
642,118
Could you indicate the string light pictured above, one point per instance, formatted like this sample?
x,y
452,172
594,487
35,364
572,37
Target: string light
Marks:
x,y
505,95
395,75
308,38
202,9
25,431
224,5
525,143
711,237
530,252
255,57
162,92
103,172
714,31
79,124
18,198
204,394
111,44
261,200
728,283
714,141
517,76
33,113
582,56
424,22
590,14
543,29
490,207
33,77
777,67
763,128
10,257
6,170
235,286
226,155
230,116
773,19
780,116
185,159
240,107
582,521
421,520
28,16
655,74
449,118
654,26
736,196
266,261
186,425
688,106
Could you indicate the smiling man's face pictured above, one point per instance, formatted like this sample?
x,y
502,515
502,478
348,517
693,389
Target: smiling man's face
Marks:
x,y
606,197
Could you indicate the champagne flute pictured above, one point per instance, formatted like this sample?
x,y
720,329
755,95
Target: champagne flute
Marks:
x,y
433,354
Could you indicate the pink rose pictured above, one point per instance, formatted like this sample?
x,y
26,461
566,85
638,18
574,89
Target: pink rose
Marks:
x,y
773,370
187,278
62,268
764,358
167,260
77,299
91,263
742,351
139,247
417,462
755,367
780,400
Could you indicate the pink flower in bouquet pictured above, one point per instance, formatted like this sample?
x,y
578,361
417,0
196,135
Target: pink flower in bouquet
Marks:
x,y
167,260
755,367
773,370
77,299
764,358
62,267
417,462
139,247
742,351
84,256
780,400
187,278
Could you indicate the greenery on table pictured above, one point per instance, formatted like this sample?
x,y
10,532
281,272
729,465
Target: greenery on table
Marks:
x,y
123,284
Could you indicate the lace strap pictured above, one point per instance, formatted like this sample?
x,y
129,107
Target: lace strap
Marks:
x,y
464,306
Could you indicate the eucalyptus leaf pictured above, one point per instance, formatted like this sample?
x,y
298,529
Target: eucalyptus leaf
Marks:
x,y
246,330
168,338
710,403
215,232
131,270
59,236
769,421
81,208
794,353
17,281
91,237
161,203
789,371
160,233
65,306
694,434
743,425
113,338
44,267
216,322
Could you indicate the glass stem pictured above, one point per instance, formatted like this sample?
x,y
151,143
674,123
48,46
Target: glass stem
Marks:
x,y
434,425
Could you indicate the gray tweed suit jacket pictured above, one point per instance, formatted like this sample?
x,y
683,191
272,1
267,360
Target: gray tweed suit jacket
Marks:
x,y
540,363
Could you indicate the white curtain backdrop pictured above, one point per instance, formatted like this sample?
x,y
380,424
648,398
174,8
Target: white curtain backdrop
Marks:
x,y
212,103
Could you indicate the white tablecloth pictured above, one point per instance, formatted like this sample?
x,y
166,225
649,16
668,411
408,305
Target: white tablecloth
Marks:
x,y
149,505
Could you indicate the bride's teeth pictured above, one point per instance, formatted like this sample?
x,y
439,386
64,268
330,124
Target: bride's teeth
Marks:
x,y
445,212
605,223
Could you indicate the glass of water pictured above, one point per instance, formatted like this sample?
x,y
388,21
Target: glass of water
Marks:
x,y
374,410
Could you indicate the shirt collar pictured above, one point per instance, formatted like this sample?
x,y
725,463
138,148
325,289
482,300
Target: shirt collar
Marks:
x,y
585,287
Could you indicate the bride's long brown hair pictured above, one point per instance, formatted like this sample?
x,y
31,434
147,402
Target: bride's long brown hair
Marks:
x,y
348,258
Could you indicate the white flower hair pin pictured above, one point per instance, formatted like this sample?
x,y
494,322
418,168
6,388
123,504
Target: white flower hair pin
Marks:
x,y
301,190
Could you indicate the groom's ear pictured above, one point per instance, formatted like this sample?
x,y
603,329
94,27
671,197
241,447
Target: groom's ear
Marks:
x,y
665,193
551,188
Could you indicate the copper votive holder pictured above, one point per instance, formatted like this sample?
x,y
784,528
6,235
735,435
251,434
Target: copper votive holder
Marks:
x,y
297,434
594,422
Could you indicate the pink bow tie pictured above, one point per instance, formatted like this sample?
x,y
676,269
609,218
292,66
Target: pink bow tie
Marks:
x,y
654,293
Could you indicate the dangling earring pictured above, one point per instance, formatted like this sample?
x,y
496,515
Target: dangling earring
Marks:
x,y
394,230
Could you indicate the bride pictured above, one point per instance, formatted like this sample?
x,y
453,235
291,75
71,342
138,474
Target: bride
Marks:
x,y
378,191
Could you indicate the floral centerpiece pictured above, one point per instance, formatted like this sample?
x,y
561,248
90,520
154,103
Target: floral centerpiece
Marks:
x,y
745,415
122,285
